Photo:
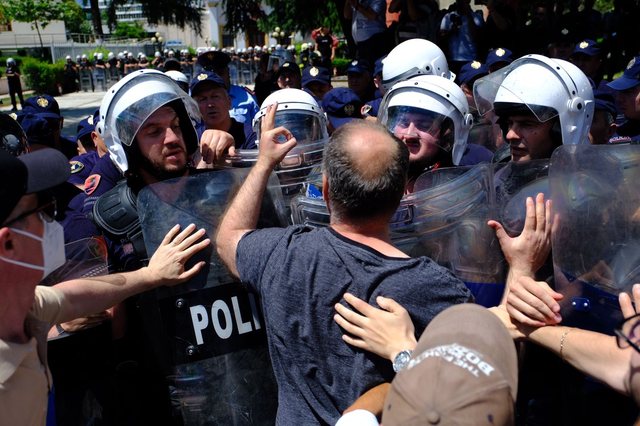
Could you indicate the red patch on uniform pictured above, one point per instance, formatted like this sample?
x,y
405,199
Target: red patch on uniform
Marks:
x,y
91,184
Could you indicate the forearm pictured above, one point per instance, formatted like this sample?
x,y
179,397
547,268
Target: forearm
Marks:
x,y
372,400
592,353
91,295
242,214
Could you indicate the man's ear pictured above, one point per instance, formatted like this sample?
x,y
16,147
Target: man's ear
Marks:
x,y
6,242
325,191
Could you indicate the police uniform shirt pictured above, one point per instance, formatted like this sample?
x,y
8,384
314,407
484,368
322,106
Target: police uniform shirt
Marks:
x,y
25,379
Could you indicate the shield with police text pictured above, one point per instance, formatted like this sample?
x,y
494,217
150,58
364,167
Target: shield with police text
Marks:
x,y
596,230
209,331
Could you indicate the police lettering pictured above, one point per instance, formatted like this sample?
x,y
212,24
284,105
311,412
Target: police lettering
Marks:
x,y
225,317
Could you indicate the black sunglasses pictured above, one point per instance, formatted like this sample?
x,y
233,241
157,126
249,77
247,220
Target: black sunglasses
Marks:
x,y
628,333
47,212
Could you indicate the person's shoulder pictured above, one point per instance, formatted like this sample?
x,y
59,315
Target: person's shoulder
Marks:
x,y
475,154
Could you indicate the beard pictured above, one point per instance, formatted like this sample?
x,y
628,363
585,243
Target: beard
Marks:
x,y
160,171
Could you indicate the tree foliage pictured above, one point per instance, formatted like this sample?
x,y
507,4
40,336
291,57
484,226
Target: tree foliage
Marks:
x,y
183,13
130,30
289,15
38,12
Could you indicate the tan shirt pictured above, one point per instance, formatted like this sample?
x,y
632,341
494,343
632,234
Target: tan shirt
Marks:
x,y
24,376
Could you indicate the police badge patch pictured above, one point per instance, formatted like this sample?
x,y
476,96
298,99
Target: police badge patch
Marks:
x,y
43,102
76,166
91,184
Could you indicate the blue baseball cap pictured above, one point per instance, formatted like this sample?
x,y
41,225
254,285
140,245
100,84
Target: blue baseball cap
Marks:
x,y
341,106
206,76
587,47
44,105
358,66
377,66
288,67
315,74
37,128
472,70
630,78
87,125
604,101
499,55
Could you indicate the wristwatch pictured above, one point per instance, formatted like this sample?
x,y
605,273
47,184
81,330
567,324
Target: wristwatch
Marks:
x,y
401,360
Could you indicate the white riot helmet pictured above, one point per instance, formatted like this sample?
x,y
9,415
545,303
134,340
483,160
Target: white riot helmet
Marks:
x,y
67,58
157,54
299,112
129,103
544,87
414,57
110,55
180,78
432,103
100,56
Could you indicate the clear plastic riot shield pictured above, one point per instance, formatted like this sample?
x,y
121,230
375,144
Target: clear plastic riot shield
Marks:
x,y
209,331
299,173
596,232
446,219
514,182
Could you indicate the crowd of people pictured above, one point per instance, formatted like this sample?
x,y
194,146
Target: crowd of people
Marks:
x,y
360,328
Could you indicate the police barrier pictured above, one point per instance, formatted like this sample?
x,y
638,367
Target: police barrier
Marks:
x,y
445,219
596,231
209,329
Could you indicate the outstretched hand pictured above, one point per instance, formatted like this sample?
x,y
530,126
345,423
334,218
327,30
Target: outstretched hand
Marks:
x,y
275,142
167,265
527,252
385,332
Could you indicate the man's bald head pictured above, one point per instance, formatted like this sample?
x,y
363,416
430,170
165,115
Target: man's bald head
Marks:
x,y
366,169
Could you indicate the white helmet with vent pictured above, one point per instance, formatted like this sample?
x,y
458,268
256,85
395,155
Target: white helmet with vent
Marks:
x,y
544,87
414,57
129,103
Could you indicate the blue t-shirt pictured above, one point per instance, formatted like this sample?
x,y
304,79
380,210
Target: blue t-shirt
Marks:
x,y
300,274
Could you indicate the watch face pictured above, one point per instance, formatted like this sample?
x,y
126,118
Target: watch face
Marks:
x,y
401,360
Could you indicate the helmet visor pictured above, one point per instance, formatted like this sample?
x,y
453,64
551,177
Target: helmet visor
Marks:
x,y
306,127
137,100
407,122
513,91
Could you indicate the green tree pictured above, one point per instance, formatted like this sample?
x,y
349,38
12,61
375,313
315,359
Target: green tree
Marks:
x,y
73,17
38,12
41,12
129,30
183,13
291,15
